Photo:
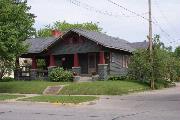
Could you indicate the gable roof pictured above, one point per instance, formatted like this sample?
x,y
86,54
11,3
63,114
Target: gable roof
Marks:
x,y
37,45
105,40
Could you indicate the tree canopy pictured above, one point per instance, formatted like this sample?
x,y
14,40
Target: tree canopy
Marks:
x,y
177,52
64,26
15,26
164,68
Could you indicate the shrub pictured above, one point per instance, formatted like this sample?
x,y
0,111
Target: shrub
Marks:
x,y
162,84
60,75
6,79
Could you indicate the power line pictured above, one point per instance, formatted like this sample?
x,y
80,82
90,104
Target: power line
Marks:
x,y
166,20
105,12
163,15
170,39
139,15
91,8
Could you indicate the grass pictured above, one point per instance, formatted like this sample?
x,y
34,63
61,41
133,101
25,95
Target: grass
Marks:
x,y
60,99
25,87
7,97
103,88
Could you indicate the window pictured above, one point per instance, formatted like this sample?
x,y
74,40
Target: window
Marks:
x,y
112,57
125,61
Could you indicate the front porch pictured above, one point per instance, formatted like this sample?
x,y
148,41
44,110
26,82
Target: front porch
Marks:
x,y
82,64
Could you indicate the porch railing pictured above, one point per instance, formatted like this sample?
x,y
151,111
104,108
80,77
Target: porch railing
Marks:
x,y
24,73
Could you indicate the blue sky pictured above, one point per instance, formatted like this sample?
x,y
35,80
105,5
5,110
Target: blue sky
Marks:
x,y
121,24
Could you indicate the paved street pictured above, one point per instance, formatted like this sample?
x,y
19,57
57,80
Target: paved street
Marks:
x,y
151,105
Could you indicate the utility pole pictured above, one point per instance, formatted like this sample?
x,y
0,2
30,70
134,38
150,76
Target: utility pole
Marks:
x,y
150,43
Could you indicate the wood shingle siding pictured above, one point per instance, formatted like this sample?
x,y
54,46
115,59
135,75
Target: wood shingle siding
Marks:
x,y
71,48
116,64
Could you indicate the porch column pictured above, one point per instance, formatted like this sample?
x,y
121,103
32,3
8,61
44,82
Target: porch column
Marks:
x,y
101,57
34,63
102,67
76,68
33,71
76,60
52,62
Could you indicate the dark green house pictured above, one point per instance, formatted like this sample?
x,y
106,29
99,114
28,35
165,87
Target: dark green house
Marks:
x,y
84,52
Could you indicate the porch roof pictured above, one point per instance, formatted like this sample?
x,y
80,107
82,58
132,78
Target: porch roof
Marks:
x,y
37,45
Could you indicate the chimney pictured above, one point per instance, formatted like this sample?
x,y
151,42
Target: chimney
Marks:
x,y
56,33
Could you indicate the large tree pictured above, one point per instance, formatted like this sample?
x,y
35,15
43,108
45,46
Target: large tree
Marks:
x,y
64,26
15,26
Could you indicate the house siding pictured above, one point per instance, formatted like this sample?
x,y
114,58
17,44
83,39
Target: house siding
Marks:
x,y
116,64
71,48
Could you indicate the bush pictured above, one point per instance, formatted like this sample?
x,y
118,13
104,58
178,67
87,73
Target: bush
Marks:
x,y
60,75
162,84
7,79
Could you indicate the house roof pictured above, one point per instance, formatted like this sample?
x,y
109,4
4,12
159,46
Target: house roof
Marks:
x,y
105,40
140,45
37,45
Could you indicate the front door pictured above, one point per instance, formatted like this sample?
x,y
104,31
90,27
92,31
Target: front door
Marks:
x,y
91,63
83,61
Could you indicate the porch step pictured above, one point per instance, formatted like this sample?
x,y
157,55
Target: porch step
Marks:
x,y
52,90
85,75
85,79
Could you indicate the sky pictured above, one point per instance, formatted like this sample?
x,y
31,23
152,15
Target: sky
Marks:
x,y
114,20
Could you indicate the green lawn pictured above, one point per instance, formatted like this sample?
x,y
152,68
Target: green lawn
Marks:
x,y
34,87
60,99
7,97
103,88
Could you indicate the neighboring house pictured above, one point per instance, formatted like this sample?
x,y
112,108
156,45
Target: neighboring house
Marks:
x,y
22,62
84,52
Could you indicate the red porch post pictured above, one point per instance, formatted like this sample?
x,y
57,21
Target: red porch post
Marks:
x,y
76,60
34,63
101,57
52,61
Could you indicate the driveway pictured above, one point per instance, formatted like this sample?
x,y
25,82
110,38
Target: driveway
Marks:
x,y
152,105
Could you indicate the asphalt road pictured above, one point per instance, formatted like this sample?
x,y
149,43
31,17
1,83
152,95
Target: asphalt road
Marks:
x,y
151,105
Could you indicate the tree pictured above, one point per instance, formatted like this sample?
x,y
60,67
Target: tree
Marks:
x,y
177,56
64,26
15,26
177,52
163,66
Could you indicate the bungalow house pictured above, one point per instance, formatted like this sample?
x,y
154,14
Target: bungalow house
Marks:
x,y
82,51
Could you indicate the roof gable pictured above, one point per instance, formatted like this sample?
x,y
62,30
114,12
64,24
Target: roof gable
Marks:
x,y
104,40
